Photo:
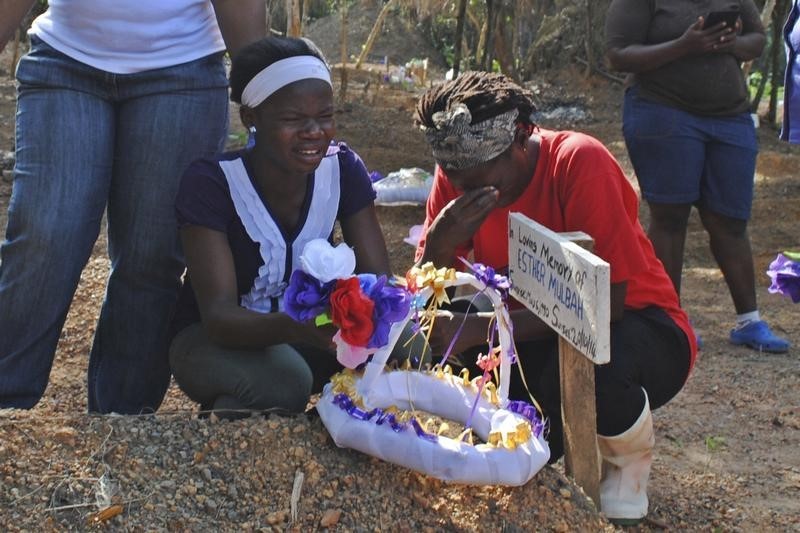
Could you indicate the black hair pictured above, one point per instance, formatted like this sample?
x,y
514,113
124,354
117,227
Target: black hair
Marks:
x,y
257,56
486,95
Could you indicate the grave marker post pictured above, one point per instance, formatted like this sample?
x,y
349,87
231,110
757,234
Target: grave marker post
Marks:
x,y
568,288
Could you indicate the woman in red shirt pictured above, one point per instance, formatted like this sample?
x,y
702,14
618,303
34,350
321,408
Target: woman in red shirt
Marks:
x,y
492,160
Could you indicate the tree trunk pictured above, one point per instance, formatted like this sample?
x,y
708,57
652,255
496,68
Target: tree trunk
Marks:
x,y
766,17
343,52
588,40
462,15
502,50
12,67
564,31
293,25
480,49
517,19
777,50
373,34
488,44
762,84
473,18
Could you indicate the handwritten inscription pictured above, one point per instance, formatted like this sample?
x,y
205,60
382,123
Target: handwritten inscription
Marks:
x,y
565,286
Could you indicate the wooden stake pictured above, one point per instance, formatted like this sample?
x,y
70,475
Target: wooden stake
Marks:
x,y
578,407
578,412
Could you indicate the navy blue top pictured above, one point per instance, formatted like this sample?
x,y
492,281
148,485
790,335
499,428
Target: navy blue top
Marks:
x,y
204,199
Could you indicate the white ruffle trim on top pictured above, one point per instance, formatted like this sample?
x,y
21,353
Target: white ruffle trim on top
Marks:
x,y
262,229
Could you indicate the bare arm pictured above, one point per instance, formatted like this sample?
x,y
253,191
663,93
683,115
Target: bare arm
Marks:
x,y
13,11
749,45
362,232
241,22
211,267
695,40
457,223
527,326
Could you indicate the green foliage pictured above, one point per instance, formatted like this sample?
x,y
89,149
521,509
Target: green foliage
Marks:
x,y
237,140
753,82
713,443
328,7
443,33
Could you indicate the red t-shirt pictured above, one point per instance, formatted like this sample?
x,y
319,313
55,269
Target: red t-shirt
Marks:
x,y
577,186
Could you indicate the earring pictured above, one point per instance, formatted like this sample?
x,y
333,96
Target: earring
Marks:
x,y
251,137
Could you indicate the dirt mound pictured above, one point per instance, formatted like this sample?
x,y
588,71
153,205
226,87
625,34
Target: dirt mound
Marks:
x,y
179,473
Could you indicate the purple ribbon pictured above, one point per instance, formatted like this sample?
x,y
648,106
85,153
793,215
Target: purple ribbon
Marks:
x,y
530,413
489,277
346,404
468,423
457,333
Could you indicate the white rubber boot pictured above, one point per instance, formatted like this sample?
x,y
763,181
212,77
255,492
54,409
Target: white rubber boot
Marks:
x,y
626,467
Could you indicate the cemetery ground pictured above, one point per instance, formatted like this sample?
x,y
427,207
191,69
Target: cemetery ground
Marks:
x,y
727,454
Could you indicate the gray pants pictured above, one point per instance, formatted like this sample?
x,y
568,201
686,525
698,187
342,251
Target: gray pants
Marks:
x,y
282,376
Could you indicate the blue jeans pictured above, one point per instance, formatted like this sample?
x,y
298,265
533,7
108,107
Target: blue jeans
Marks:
x,y
88,141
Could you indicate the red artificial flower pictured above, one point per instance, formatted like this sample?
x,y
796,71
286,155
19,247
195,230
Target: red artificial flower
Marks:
x,y
351,311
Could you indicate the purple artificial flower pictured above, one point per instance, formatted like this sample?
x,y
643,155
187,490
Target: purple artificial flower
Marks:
x,y
367,281
391,305
489,277
306,297
785,276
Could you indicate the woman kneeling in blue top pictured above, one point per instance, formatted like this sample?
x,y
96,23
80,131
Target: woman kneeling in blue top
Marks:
x,y
244,218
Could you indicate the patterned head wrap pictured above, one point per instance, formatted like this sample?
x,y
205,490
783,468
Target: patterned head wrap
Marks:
x,y
458,145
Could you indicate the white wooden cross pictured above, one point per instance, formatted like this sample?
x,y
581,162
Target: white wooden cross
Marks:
x,y
567,287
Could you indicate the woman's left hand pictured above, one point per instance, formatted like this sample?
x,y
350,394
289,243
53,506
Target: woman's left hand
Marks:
x,y
728,40
319,336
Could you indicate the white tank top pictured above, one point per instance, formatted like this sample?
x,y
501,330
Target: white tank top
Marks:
x,y
127,36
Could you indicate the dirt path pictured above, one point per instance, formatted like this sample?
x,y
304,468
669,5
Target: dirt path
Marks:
x,y
727,452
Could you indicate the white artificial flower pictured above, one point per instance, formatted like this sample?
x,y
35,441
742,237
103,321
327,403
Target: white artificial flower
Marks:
x,y
414,235
326,262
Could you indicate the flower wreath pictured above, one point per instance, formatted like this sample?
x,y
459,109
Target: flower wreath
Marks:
x,y
375,409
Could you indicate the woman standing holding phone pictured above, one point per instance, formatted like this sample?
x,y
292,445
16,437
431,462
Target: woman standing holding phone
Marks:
x,y
687,127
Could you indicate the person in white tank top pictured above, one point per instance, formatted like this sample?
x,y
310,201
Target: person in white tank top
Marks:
x,y
115,99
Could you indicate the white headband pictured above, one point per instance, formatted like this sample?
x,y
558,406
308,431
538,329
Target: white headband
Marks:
x,y
282,73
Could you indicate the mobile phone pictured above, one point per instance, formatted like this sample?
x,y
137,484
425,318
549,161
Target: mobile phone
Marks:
x,y
715,17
